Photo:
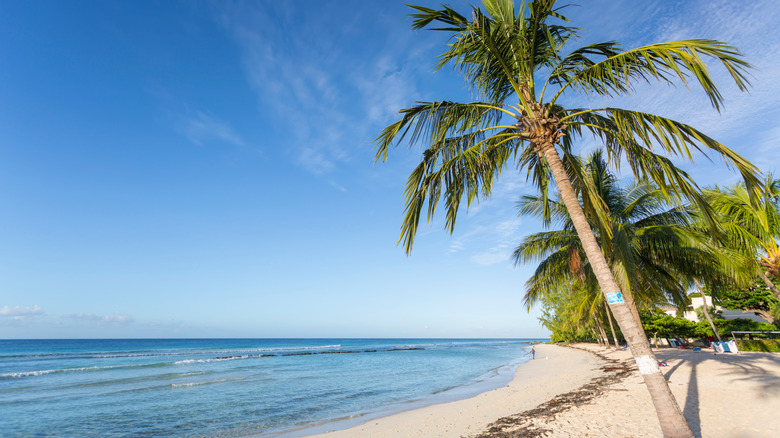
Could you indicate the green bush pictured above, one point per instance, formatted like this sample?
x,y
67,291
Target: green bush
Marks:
x,y
726,326
767,345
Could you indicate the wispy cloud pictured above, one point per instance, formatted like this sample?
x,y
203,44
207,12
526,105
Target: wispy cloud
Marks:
x,y
508,234
498,254
20,312
201,128
386,87
115,318
331,90
337,186
490,241
293,84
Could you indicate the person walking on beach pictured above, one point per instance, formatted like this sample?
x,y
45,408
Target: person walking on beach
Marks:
x,y
533,353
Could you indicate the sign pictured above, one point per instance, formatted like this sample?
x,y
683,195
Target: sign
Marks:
x,y
615,298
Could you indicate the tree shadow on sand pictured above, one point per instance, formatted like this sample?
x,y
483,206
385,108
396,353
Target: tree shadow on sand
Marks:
x,y
738,367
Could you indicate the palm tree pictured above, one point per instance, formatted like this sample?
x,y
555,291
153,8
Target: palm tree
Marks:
x,y
647,243
748,239
560,317
752,226
653,246
519,117
706,311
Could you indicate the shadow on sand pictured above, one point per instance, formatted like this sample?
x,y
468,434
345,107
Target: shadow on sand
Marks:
x,y
738,367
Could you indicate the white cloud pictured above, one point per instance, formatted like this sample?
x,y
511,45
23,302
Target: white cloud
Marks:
x,y
500,253
200,128
332,92
115,318
316,161
386,87
20,312
455,247
294,86
338,186
498,231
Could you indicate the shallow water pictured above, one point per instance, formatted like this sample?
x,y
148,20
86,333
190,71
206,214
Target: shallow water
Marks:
x,y
234,387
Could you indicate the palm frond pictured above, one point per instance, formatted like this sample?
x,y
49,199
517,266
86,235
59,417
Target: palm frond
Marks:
x,y
539,246
434,121
464,167
448,17
617,73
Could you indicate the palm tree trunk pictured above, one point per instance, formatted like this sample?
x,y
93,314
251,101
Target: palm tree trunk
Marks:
x,y
603,333
707,311
670,416
769,283
611,326
629,297
595,336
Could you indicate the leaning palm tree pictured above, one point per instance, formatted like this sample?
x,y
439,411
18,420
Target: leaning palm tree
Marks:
x,y
520,118
657,251
648,244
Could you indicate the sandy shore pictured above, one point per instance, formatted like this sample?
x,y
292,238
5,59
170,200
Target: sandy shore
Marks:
x,y
556,370
574,393
723,395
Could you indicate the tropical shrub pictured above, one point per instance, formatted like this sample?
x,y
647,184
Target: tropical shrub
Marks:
x,y
766,345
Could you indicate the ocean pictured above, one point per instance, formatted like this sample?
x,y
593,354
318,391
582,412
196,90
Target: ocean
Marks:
x,y
236,387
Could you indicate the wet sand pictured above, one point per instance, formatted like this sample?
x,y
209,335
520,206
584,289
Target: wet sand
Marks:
x,y
588,391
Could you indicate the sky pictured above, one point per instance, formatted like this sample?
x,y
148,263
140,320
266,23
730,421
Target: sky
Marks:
x,y
206,169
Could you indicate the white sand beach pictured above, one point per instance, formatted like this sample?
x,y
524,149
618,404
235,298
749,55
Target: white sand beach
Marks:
x,y
723,395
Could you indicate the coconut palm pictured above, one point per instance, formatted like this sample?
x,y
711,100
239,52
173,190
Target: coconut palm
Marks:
x,y
704,311
749,229
648,244
654,248
752,226
519,117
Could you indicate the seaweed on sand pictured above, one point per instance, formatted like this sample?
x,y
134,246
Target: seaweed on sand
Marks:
x,y
530,423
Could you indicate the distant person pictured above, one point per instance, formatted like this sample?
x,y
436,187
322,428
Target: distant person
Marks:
x,y
533,353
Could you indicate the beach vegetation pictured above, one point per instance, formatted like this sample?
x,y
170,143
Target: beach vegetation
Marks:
x,y
659,324
560,318
726,326
756,298
763,345
752,227
519,60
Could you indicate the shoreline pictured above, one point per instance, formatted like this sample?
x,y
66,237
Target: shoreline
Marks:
x,y
585,390
493,379
556,370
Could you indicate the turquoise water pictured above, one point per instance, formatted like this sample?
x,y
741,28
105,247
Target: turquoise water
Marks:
x,y
235,387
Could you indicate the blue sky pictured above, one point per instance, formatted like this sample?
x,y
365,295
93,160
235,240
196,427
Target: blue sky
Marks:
x,y
188,169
